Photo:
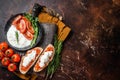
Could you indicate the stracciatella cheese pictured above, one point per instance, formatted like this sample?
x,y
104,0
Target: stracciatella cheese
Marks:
x,y
45,58
29,58
11,37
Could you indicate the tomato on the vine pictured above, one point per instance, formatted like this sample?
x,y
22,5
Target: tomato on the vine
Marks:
x,y
1,55
15,58
9,52
12,67
5,61
3,46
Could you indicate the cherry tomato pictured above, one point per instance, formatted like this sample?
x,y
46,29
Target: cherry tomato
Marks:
x,y
49,49
1,55
30,29
25,19
28,25
22,26
16,20
9,52
3,46
12,67
5,61
28,35
15,58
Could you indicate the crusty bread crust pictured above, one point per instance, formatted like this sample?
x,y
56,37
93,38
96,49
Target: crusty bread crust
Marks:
x,y
40,69
20,66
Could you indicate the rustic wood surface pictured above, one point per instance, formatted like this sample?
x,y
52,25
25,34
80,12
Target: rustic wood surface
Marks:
x,y
92,50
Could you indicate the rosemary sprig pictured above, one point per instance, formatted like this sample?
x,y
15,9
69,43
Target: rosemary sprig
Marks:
x,y
52,67
17,35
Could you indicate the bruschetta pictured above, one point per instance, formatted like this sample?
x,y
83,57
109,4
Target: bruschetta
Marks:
x,y
45,58
29,59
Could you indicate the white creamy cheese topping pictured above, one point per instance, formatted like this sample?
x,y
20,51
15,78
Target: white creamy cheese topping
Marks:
x,y
11,36
41,64
45,58
48,53
28,58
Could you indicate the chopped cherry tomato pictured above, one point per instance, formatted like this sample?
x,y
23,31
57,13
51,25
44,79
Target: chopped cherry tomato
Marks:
x,y
28,25
1,55
12,67
22,26
9,52
17,26
3,46
37,66
49,49
28,35
17,19
30,29
24,18
5,61
15,58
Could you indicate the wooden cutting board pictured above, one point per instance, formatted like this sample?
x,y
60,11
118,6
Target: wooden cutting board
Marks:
x,y
52,24
63,30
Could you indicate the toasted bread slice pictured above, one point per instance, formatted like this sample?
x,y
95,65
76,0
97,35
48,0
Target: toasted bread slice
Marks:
x,y
29,59
49,53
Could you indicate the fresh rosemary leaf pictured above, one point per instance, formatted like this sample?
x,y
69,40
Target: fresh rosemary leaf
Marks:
x,y
17,35
52,67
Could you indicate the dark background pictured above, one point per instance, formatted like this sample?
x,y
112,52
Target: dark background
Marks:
x,y
92,50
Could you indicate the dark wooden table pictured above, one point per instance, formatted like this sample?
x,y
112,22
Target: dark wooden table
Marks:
x,y
92,50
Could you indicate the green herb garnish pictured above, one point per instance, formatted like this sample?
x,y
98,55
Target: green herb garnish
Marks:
x,y
34,22
16,35
35,36
52,67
